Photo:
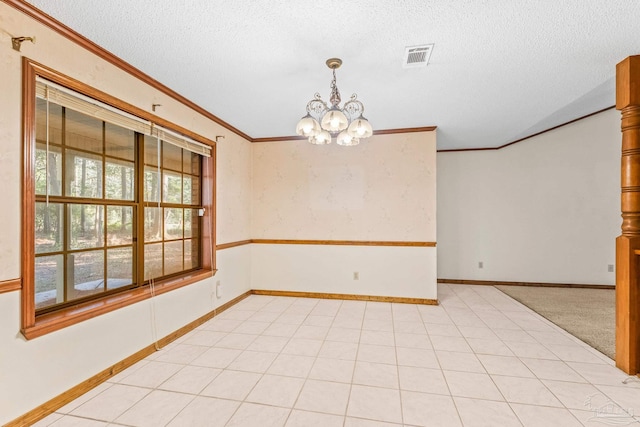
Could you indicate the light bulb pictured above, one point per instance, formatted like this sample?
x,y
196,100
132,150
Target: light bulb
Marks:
x,y
360,128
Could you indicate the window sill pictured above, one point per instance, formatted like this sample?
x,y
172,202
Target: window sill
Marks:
x,y
55,321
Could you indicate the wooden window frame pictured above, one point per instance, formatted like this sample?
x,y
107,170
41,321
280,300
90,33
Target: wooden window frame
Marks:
x,y
34,326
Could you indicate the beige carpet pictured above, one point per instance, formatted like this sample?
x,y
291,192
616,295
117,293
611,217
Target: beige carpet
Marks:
x,y
588,314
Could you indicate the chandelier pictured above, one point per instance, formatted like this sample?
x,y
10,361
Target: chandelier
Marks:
x,y
346,123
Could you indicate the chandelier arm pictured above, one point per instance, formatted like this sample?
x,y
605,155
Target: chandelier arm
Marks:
x,y
317,106
354,108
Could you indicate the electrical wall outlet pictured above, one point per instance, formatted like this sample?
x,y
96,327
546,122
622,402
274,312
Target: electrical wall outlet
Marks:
x,y
356,275
610,268
480,264
218,289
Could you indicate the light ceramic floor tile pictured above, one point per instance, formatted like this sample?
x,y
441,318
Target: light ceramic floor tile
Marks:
x,y
232,385
601,374
152,374
572,395
573,353
221,325
361,422
464,362
190,379
181,353
413,341
602,418
551,337
377,354
237,314
217,357
415,327
552,370
446,343
515,335
484,346
324,321
111,403
376,374
264,316
204,337
378,404
373,324
155,409
504,365
377,338
313,419
422,409
525,390
48,420
251,414
343,335
280,330
338,350
417,357
485,413
348,322
324,396
311,332
253,361
236,341
205,411
539,416
530,350
477,332
84,398
251,327
422,380
71,421
469,384
276,390
332,370
303,347
290,318
291,365
628,398
268,343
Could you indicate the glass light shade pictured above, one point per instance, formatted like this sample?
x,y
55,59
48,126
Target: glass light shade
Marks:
x,y
334,120
360,128
307,126
321,138
346,140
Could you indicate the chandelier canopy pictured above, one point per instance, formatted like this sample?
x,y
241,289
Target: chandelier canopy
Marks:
x,y
346,123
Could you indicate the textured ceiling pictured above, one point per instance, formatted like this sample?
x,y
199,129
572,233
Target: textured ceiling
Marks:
x,y
500,69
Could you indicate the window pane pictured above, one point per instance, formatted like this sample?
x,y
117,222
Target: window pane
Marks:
x,y
85,274
150,151
191,163
51,169
83,175
152,224
49,228
49,275
171,157
83,132
119,225
152,261
173,257
172,187
86,226
119,180
119,267
191,254
151,185
189,216
119,142
55,122
172,223
186,189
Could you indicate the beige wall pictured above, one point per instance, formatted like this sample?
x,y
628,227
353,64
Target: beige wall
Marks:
x,y
543,210
32,372
381,190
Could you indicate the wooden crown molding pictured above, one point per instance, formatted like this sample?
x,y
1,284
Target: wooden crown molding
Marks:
x,y
375,132
10,285
527,137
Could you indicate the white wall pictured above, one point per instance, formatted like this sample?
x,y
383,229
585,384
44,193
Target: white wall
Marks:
x,y
546,209
381,190
32,372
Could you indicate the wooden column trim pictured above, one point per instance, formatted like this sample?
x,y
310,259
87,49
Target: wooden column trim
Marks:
x,y
628,243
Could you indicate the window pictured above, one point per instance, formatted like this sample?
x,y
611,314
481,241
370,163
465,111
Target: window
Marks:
x,y
117,203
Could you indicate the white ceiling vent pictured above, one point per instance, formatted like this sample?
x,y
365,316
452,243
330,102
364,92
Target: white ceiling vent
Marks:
x,y
417,56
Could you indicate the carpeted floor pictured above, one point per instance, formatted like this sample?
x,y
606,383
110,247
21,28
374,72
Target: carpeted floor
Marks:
x,y
588,314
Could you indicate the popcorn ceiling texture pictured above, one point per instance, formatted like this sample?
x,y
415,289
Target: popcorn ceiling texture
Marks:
x,y
500,69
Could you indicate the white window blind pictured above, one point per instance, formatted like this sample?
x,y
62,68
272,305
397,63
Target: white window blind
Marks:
x,y
101,111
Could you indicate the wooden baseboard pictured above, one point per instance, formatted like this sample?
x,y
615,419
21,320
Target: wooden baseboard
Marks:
x,y
423,301
542,285
68,396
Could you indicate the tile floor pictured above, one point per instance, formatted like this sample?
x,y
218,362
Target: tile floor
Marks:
x,y
478,359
